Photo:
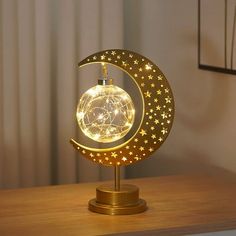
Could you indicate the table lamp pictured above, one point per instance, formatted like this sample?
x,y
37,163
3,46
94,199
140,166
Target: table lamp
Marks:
x,y
106,113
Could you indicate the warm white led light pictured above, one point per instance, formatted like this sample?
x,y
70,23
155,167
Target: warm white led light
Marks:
x,y
105,113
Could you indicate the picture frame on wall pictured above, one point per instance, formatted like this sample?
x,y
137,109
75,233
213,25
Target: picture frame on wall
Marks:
x,y
216,35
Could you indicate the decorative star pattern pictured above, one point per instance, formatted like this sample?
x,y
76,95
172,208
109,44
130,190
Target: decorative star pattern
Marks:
x,y
158,109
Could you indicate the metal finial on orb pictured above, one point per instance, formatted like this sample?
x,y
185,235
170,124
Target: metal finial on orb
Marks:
x,y
107,114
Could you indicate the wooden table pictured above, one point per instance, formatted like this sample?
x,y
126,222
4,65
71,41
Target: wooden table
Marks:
x,y
177,205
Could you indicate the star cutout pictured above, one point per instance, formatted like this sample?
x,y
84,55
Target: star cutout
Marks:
x,y
136,62
103,57
164,130
158,108
159,77
148,66
156,121
168,99
159,92
143,132
113,53
147,94
150,149
124,63
141,148
164,115
150,77
124,159
113,154
153,136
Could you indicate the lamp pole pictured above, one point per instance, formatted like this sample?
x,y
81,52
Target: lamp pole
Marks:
x,y
117,178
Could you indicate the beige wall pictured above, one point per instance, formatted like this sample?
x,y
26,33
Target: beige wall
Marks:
x,y
204,131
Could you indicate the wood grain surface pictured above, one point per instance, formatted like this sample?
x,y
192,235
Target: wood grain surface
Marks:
x,y
177,205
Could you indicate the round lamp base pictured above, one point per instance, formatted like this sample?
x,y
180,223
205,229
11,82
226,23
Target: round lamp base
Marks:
x,y
123,202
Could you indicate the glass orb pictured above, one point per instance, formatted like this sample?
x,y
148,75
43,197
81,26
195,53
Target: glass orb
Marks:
x,y
105,113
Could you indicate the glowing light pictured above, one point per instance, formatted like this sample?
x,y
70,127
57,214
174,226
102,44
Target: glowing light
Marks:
x,y
80,115
105,113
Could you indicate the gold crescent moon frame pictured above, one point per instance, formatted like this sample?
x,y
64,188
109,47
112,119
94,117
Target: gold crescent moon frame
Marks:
x,y
158,109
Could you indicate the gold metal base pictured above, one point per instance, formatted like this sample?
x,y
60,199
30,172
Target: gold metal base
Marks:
x,y
123,202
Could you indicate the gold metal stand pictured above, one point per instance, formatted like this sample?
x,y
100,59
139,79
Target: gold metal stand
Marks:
x,y
118,199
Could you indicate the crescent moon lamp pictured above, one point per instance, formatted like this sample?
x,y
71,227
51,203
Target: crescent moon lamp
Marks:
x,y
106,113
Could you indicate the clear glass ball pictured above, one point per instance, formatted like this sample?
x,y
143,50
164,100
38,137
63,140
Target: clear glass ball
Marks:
x,y
105,113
